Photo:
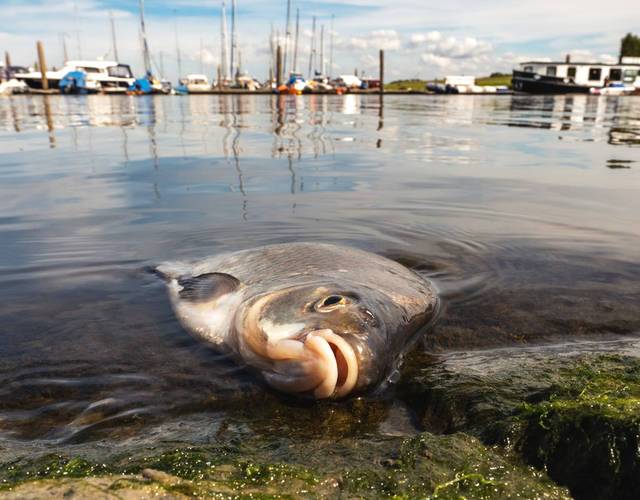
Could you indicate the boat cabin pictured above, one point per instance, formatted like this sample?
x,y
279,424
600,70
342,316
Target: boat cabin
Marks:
x,y
586,73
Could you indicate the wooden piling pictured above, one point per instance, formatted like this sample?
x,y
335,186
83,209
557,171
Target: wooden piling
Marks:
x,y
42,65
381,71
7,65
278,66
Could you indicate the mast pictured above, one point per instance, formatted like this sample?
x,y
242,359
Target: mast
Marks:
x,y
113,37
271,49
312,48
178,57
161,65
64,47
201,57
295,43
145,44
322,50
224,43
287,35
75,22
234,41
331,46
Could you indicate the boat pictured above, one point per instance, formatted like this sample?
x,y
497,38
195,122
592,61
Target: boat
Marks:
x,y
296,84
195,83
148,84
76,82
9,84
104,76
540,77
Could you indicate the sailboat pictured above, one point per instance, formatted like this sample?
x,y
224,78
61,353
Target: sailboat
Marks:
x,y
148,84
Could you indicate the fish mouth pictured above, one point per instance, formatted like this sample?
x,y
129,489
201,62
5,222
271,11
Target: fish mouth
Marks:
x,y
322,363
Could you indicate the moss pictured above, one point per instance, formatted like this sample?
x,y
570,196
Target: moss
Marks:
x,y
409,468
587,433
49,466
576,417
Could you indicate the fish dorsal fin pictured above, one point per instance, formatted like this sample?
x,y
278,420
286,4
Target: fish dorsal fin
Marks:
x,y
207,287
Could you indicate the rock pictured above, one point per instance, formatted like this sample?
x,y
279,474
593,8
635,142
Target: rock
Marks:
x,y
571,410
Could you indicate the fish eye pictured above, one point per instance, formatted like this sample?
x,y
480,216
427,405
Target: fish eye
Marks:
x,y
331,302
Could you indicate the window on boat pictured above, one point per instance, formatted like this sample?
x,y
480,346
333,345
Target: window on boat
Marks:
x,y
551,70
88,69
120,71
528,69
571,72
615,74
595,74
630,75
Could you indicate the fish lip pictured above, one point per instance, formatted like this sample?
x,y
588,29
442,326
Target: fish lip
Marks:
x,y
320,362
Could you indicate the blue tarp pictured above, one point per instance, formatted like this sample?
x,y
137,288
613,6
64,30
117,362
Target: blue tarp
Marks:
x,y
142,85
74,82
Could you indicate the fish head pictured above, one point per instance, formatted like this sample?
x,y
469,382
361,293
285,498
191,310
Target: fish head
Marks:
x,y
329,339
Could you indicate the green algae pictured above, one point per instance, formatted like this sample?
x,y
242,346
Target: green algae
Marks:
x,y
587,433
577,418
423,466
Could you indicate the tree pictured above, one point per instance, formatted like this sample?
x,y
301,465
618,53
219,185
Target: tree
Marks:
x,y
630,46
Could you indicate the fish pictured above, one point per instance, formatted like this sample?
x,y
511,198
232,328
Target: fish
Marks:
x,y
313,319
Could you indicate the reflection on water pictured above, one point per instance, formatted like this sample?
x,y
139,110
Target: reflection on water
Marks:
x,y
523,210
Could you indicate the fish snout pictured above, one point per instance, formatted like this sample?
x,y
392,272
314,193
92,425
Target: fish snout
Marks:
x,y
322,362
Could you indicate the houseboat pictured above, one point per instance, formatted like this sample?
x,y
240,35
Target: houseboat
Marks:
x,y
103,76
540,77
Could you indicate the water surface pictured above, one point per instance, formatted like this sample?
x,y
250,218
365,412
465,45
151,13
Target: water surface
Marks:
x,y
523,210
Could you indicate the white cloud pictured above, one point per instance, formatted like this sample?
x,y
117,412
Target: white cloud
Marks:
x,y
451,47
379,39
439,61
418,39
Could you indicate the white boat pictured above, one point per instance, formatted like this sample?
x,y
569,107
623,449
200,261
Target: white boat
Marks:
x,y
102,76
541,77
197,83
8,82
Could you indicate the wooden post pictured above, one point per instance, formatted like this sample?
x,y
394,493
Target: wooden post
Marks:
x,y
7,65
43,66
278,66
381,71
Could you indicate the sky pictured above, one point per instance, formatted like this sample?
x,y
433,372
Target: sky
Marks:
x,y
421,39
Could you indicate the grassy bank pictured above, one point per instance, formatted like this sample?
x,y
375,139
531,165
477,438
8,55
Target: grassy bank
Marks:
x,y
495,79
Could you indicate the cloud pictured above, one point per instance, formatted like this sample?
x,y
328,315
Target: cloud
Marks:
x,y
379,39
449,46
439,61
418,39
584,55
206,55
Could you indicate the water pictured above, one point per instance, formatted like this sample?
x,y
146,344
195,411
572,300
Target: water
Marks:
x,y
523,210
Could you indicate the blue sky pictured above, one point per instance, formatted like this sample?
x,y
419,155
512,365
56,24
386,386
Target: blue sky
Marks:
x,y
421,39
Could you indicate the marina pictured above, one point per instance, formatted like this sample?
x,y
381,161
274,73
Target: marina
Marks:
x,y
287,249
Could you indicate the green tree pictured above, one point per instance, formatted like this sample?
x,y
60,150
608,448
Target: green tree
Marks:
x,y
630,46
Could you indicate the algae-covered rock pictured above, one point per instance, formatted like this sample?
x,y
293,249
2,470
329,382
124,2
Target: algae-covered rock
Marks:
x,y
569,410
424,466
587,433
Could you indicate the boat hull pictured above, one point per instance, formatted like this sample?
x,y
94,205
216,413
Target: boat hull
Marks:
x,y
533,83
